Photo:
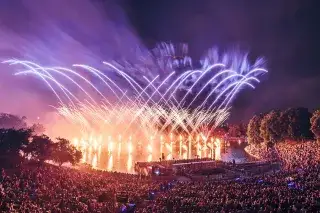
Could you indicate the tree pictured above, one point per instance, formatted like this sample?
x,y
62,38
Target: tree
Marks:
x,y
40,148
243,129
38,128
65,152
253,130
315,124
77,156
220,131
270,128
237,130
234,131
9,121
12,141
297,123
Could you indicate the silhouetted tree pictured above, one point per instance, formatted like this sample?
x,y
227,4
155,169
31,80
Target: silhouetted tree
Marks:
x,y
270,128
77,156
296,123
243,129
237,130
65,152
12,142
315,124
38,129
234,131
40,148
9,121
253,130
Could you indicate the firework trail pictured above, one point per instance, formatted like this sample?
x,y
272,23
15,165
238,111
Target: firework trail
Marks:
x,y
175,98
160,95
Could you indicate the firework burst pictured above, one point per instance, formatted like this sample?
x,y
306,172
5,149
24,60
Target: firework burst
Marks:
x,y
160,95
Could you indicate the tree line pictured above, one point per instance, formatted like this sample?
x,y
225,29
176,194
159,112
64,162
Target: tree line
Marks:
x,y
291,124
19,142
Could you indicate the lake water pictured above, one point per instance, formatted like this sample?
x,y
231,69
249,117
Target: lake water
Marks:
x,y
236,153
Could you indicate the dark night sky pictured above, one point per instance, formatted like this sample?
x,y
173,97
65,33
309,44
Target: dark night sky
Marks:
x,y
286,32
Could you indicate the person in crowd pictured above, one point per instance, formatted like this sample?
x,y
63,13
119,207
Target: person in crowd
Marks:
x,y
47,188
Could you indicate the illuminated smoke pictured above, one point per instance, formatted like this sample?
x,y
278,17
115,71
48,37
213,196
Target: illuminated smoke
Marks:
x,y
122,104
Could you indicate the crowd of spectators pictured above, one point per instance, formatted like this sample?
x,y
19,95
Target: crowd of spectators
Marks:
x,y
48,188
295,155
291,154
259,151
297,191
295,188
53,189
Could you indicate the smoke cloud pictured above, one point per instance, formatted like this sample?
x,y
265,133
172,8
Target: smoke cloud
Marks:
x,y
59,33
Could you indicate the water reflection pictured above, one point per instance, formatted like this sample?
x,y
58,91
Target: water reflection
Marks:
x,y
122,155
235,153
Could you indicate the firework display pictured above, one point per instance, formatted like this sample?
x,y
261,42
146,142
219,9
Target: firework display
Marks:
x,y
139,110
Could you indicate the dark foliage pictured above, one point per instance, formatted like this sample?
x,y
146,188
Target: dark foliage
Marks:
x,y
237,130
38,129
270,128
41,148
12,141
65,152
253,130
315,124
296,124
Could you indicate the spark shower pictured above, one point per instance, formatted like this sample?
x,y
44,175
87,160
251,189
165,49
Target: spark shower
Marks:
x,y
126,111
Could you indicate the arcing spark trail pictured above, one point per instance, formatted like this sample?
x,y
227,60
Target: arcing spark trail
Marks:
x,y
170,99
